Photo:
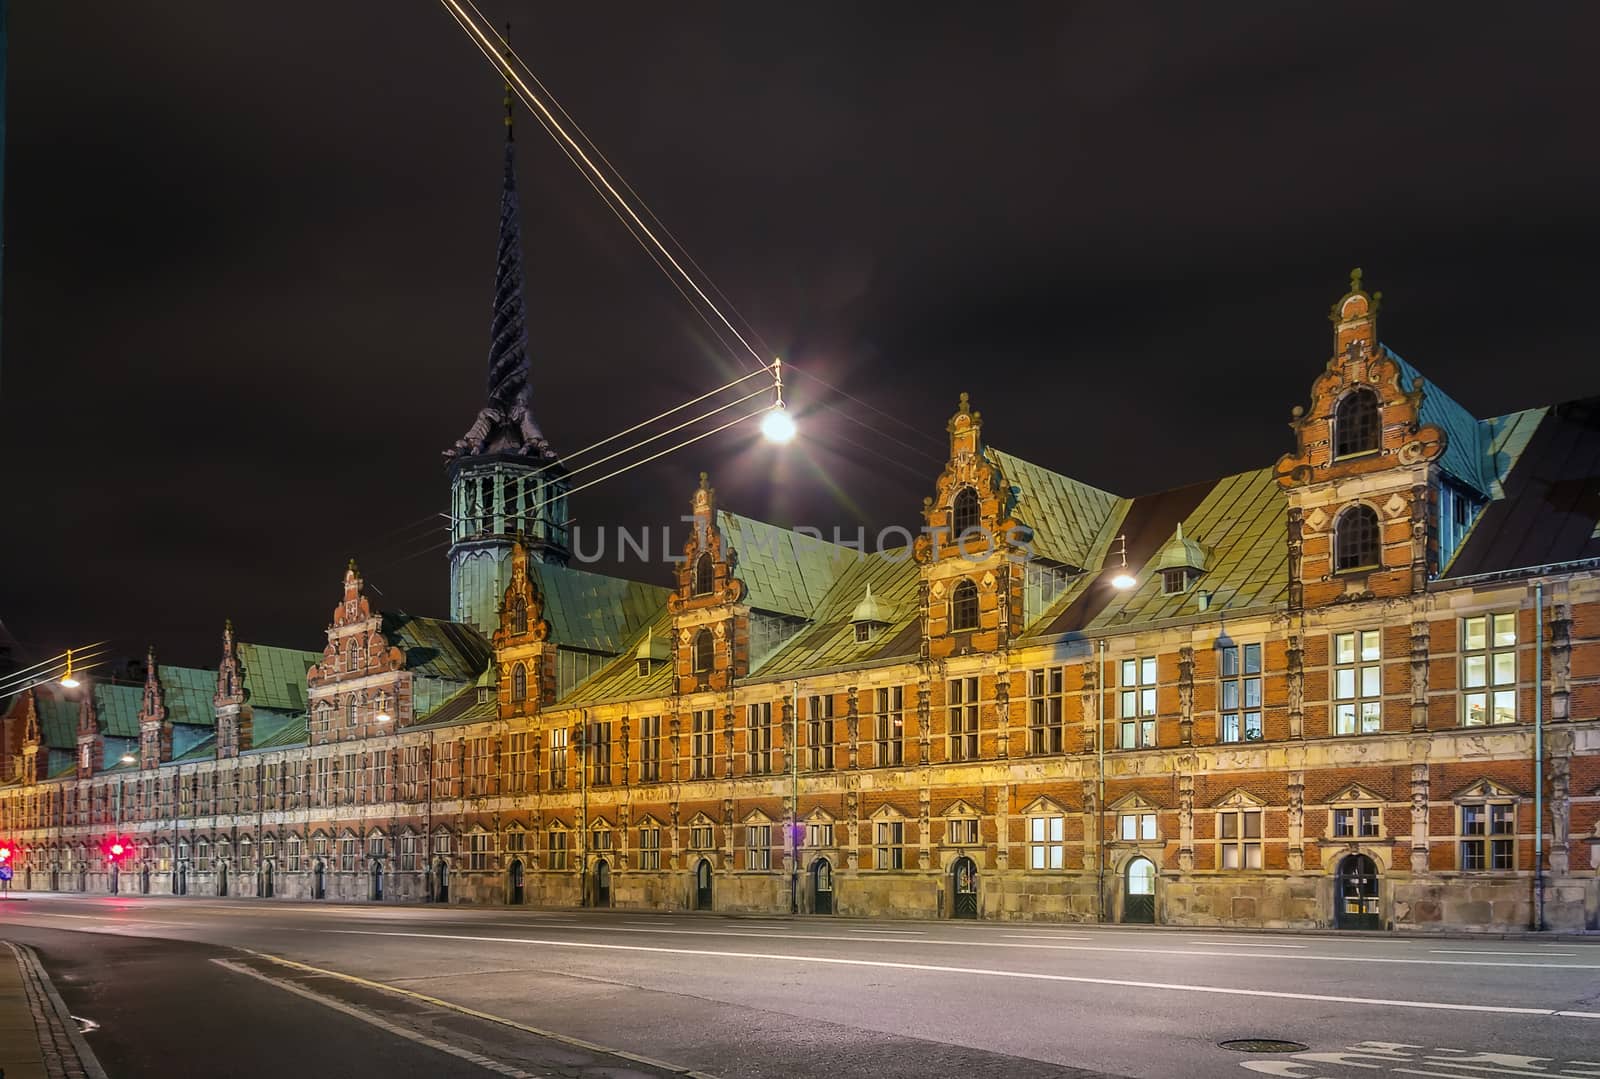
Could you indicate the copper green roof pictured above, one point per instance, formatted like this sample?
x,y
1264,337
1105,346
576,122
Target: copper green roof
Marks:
x,y
437,648
58,717
620,680
1506,437
1068,518
276,677
462,707
1465,452
783,572
591,610
286,734
830,640
204,749
189,695
117,708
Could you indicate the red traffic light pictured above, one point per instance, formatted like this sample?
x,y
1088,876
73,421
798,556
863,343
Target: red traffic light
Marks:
x,y
5,853
116,848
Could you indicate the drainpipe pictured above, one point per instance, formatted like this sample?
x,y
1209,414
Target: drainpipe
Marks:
x,y
583,817
1100,797
794,799
1538,755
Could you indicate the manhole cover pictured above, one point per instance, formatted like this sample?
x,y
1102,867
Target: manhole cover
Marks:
x,y
1263,1045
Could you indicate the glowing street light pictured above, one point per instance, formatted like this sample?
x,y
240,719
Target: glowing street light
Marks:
x,y
1123,579
777,425
127,758
67,681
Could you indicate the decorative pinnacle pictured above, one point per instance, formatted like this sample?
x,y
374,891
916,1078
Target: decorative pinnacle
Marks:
x,y
1355,279
351,568
705,482
510,134
965,406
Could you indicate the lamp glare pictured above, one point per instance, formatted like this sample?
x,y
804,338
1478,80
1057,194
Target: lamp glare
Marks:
x,y
1124,581
776,426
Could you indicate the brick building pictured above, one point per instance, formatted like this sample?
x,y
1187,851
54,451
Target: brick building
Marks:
x,y
1358,689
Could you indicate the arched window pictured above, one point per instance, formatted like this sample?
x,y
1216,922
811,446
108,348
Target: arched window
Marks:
x,y
1356,426
702,651
354,663
964,512
350,710
519,615
704,575
964,606
1355,539
519,684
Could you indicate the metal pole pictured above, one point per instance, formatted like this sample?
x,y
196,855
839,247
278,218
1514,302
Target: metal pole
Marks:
x,y
1538,755
583,824
794,800
1100,795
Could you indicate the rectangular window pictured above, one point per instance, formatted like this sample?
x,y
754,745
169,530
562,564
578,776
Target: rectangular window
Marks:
x,y
408,852
1488,836
962,832
347,854
819,835
1357,682
1138,703
1045,710
1240,831
1239,708
558,757
963,707
702,837
703,762
649,847
891,726
1045,842
352,771
650,749
1359,822
1136,827
600,754
758,846
600,838
1489,669
758,739
380,776
891,851
819,733
517,763
478,850
557,848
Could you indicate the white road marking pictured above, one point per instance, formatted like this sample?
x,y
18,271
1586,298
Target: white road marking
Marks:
x,y
908,932
1204,953
1046,936
382,1024
1474,951
1244,944
1028,975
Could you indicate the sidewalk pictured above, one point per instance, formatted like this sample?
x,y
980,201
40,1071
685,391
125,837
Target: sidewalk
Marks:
x,y
38,1039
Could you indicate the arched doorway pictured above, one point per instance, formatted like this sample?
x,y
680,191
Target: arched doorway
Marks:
x,y
266,881
318,881
1355,894
822,886
375,893
1139,892
964,888
514,879
222,878
602,883
441,882
702,885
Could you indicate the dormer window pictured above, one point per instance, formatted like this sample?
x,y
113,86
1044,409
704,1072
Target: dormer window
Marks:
x,y
704,575
644,668
870,617
863,632
1181,562
964,512
1357,427
1355,539
1177,581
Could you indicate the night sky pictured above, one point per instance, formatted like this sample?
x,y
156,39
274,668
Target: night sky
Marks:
x,y
249,252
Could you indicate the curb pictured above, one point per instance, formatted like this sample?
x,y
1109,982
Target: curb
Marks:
x,y
66,1053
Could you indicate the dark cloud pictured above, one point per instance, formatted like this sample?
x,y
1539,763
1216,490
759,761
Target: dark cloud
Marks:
x,y
248,258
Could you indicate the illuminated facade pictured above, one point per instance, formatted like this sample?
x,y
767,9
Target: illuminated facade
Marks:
x,y
1317,705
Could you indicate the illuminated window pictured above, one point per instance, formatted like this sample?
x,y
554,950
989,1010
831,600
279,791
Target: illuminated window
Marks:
x,y
758,846
891,724
1136,827
1138,702
704,575
1240,831
758,738
1488,836
1045,842
963,712
1240,714
1045,710
519,684
1357,682
519,616
964,512
1489,669
702,652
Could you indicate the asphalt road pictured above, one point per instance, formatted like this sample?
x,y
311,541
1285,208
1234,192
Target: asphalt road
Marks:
x,y
780,997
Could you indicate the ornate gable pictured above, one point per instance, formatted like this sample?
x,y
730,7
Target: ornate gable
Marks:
x,y
232,711
523,649
711,627
155,732
960,808
969,551
356,644
1044,806
91,754
1134,802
